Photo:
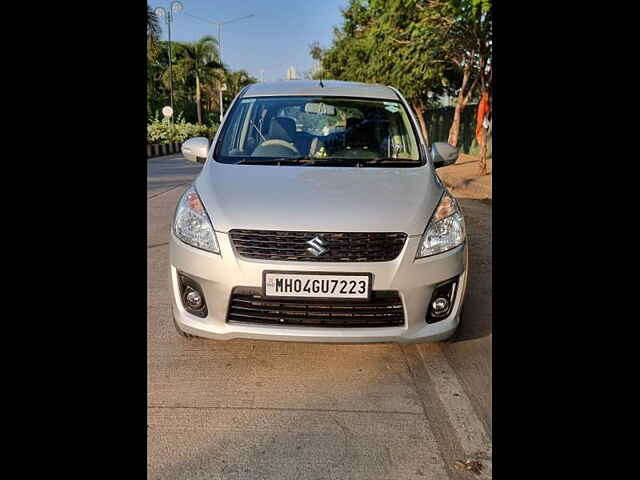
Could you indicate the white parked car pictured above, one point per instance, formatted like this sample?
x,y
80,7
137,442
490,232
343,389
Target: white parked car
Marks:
x,y
345,237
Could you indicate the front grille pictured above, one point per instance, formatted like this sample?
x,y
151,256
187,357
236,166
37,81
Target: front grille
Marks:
x,y
383,310
341,247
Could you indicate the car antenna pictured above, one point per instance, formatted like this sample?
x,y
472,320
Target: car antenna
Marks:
x,y
321,76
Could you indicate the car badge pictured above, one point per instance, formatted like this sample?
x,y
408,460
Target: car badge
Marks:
x,y
318,245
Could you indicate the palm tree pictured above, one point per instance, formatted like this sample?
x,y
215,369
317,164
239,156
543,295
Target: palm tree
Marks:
x,y
202,58
158,76
236,81
153,33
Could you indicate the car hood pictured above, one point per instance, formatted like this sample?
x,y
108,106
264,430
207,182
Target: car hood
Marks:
x,y
319,199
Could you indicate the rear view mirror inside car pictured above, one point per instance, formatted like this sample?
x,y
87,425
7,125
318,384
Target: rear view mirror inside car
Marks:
x,y
320,108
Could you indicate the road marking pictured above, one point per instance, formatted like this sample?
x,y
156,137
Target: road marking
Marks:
x,y
468,428
281,409
170,156
157,245
167,191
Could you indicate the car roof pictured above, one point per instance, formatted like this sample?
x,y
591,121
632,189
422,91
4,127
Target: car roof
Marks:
x,y
329,88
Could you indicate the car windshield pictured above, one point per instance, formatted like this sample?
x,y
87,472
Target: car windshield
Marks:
x,y
318,131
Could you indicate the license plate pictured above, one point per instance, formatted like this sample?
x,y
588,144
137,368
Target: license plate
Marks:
x,y
317,285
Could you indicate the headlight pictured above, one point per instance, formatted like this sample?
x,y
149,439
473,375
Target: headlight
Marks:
x,y
192,225
445,230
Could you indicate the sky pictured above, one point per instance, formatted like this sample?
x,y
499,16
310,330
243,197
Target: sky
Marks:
x,y
275,38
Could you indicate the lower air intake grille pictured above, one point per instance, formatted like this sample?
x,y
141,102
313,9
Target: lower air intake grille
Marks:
x,y
383,310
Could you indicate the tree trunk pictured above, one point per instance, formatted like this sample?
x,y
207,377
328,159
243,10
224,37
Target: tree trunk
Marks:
x,y
423,126
486,115
198,106
461,102
483,153
454,131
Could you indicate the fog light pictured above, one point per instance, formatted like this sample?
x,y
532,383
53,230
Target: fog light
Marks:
x,y
440,305
192,296
442,301
194,299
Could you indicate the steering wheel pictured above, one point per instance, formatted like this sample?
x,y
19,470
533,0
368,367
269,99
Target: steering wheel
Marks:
x,y
275,148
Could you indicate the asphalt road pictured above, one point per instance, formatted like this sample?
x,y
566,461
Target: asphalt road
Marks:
x,y
273,410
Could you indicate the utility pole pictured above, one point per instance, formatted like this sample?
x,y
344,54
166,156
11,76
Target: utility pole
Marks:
x,y
175,7
223,86
220,89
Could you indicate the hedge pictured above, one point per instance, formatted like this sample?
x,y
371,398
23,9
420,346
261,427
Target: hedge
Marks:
x,y
159,132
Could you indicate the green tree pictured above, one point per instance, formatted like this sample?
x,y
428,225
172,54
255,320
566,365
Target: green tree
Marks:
x,y
423,47
153,33
236,81
382,41
157,92
202,59
315,51
462,29
348,56
197,78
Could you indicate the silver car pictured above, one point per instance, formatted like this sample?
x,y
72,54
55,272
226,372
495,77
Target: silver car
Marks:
x,y
318,217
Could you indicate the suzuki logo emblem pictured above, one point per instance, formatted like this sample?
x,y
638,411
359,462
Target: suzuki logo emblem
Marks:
x,y
318,245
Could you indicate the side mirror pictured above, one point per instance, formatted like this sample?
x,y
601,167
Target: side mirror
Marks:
x,y
196,149
443,154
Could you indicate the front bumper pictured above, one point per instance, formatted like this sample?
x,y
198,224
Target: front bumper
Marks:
x,y
413,279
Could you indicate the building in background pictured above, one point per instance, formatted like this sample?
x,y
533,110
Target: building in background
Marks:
x,y
291,73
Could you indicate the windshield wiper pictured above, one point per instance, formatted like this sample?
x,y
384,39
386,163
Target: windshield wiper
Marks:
x,y
347,161
361,162
272,161
377,161
258,130
325,162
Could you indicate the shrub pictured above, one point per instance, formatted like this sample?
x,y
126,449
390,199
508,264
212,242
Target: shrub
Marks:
x,y
161,131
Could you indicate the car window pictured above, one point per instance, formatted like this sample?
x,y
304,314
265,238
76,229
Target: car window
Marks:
x,y
319,131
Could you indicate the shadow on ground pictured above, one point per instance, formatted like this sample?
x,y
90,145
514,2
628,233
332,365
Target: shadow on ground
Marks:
x,y
477,316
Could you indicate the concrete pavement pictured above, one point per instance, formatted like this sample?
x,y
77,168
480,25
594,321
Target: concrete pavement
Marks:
x,y
251,409
164,173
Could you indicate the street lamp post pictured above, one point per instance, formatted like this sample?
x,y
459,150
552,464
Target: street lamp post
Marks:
x,y
220,24
222,88
175,7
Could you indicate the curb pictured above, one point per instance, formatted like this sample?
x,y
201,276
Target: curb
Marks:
x,y
162,149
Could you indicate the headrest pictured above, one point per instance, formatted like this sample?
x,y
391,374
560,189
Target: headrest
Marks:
x,y
352,122
282,128
361,135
